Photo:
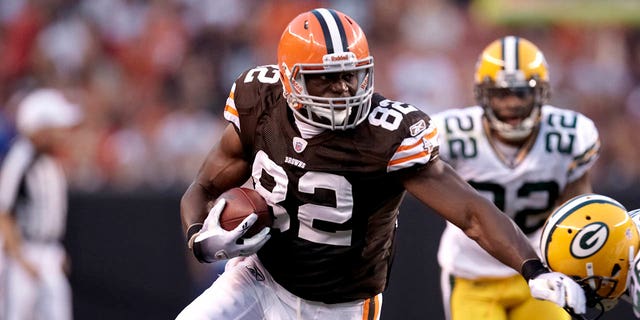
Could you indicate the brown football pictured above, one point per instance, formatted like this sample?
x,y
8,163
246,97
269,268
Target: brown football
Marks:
x,y
241,202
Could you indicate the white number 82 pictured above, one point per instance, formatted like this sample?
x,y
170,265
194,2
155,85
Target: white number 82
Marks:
x,y
307,213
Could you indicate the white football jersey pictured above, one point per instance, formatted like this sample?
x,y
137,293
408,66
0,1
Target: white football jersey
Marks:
x,y
525,187
633,283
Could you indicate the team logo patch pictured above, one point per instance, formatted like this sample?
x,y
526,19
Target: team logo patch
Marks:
x,y
426,144
299,144
417,127
589,240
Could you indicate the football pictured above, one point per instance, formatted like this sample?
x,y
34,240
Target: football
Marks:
x,y
241,202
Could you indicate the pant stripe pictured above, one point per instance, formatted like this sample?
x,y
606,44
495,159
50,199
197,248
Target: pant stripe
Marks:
x,y
371,309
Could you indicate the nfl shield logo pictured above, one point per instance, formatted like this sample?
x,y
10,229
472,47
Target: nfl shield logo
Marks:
x,y
299,144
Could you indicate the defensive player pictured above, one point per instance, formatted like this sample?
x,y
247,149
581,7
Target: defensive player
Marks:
x,y
524,155
333,160
33,210
593,239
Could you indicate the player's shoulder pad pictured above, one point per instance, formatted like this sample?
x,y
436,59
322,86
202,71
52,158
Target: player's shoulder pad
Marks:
x,y
572,124
458,121
413,135
573,134
397,116
252,86
568,120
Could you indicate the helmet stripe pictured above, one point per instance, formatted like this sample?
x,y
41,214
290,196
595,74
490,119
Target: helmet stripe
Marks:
x,y
578,202
332,29
343,35
510,53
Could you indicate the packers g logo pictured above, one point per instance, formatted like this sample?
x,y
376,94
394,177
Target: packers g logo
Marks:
x,y
589,240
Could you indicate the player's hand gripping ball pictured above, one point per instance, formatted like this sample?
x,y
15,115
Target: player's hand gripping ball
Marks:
x,y
241,202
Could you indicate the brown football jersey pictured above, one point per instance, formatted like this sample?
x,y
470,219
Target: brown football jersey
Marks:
x,y
335,196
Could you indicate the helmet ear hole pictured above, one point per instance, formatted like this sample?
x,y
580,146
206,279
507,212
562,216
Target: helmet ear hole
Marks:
x,y
349,20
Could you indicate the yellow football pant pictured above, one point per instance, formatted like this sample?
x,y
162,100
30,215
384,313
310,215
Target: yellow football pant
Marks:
x,y
499,299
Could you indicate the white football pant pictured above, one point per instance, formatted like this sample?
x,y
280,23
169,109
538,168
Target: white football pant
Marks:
x,y
45,298
246,291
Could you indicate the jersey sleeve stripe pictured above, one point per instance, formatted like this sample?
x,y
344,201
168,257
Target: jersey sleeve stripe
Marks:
x,y
409,147
414,150
588,156
421,157
230,110
429,136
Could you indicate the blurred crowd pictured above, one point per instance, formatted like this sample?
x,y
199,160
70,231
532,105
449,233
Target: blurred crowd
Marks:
x,y
153,75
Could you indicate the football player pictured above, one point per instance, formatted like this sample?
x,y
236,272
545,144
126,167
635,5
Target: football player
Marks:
x,y
333,159
593,239
524,155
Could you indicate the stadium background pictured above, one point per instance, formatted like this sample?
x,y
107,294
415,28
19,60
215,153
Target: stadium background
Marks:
x,y
153,77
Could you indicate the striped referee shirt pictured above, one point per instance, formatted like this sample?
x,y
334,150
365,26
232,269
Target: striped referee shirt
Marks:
x,y
34,190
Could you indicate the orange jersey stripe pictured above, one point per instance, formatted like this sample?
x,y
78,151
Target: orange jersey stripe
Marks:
x,y
422,154
432,133
230,109
427,137
402,148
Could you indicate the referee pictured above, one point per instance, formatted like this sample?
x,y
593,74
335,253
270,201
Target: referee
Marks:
x,y
33,209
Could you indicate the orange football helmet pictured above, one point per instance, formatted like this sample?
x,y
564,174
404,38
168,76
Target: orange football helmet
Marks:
x,y
325,41
517,66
